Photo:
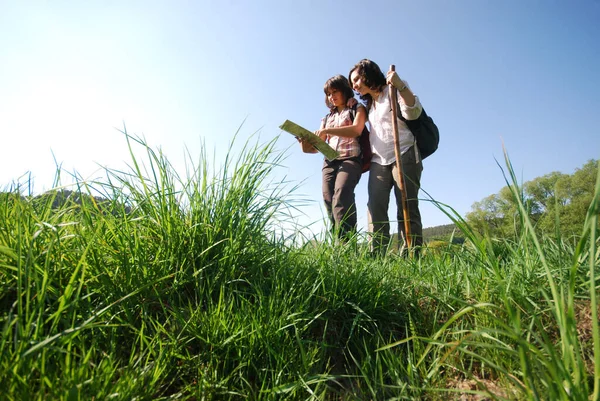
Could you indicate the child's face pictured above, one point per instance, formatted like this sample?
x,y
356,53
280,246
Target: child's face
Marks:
x,y
335,97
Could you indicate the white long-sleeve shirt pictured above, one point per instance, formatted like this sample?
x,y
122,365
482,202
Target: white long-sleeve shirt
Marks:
x,y
382,130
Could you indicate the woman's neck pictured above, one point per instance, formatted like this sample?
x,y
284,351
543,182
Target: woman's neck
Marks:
x,y
375,93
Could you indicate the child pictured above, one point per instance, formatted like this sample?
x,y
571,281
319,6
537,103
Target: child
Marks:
x,y
341,129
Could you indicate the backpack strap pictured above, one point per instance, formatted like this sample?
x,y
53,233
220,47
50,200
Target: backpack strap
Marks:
x,y
415,143
353,111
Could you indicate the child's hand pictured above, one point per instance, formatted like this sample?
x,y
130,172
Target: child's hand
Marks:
x,y
321,134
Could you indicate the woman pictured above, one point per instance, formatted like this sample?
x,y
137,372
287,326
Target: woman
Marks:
x,y
341,128
368,80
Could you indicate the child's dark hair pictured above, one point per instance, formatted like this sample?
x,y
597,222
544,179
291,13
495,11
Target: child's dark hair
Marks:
x,y
372,77
340,83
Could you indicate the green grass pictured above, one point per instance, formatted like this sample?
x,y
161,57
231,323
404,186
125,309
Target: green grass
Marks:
x,y
185,287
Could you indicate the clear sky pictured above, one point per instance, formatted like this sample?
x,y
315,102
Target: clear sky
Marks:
x,y
180,73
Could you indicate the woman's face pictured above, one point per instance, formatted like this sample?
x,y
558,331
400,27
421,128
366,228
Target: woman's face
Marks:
x,y
335,97
357,83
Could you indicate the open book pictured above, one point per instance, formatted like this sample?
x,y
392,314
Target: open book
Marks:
x,y
311,138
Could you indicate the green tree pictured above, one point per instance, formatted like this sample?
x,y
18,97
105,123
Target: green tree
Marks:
x,y
548,199
542,192
495,215
576,193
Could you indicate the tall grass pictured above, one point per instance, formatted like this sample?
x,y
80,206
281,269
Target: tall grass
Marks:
x,y
186,287
534,324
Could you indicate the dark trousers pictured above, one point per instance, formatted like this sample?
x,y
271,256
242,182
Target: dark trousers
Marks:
x,y
340,177
381,181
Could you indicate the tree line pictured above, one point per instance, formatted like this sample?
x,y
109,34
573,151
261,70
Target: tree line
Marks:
x,y
556,203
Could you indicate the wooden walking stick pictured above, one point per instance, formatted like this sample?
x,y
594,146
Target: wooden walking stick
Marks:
x,y
401,183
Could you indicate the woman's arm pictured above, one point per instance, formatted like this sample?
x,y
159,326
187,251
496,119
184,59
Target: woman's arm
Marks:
x,y
349,131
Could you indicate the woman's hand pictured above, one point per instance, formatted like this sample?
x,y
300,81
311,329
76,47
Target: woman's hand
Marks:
x,y
406,95
393,79
351,102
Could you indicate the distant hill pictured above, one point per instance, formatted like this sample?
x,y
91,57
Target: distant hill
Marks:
x,y
62,198
443,233
439,233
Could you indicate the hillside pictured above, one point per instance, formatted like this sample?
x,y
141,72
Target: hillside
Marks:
x,y
443,233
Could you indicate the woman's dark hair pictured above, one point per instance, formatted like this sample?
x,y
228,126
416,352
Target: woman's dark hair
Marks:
x,y
371,76
340,83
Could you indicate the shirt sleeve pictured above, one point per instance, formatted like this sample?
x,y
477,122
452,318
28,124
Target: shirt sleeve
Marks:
x,y
410,112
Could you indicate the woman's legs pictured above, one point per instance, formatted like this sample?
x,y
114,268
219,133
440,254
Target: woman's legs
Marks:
x,y
412,181
381,181
379,187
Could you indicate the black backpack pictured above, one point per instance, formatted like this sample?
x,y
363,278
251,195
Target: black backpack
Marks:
x,y
365,144
425,132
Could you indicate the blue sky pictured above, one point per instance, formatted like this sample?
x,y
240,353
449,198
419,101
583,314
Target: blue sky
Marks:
x,y
183,73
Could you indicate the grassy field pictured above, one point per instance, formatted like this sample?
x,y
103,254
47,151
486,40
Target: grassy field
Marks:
x,y
167,287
